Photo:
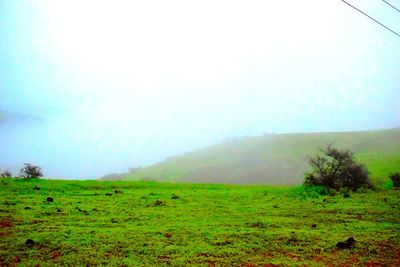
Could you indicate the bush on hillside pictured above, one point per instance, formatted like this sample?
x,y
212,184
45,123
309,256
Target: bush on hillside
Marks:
x,y
336,169
5,174
30,171
395,177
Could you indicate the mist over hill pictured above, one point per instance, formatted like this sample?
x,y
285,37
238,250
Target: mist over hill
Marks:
x,y
272,158
11,118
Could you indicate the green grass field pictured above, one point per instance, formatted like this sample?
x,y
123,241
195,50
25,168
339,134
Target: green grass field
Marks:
x,y
93,223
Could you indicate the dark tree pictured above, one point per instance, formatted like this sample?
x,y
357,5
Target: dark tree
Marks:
x,y
336,169
395,177
31,171
5,174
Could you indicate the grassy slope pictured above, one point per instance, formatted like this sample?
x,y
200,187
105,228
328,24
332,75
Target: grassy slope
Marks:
x,y
206,225
275,159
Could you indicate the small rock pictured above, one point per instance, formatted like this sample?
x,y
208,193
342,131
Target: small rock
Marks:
x,y
29,242
159,203
168,235
349,243
50,199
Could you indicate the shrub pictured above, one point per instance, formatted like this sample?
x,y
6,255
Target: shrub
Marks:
x,y
5,174
336,169
31,171
395,177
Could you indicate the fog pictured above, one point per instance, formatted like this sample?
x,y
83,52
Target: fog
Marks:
x,y
93,87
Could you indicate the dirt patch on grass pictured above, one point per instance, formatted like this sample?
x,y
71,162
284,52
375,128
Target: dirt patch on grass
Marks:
x,y
5,222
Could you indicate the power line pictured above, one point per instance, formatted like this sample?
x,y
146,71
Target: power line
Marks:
x,y
365,14
391,5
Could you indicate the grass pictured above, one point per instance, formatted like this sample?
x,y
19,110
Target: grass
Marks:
x,y
159,224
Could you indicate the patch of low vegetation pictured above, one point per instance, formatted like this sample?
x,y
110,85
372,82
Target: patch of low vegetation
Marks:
x,y
75,223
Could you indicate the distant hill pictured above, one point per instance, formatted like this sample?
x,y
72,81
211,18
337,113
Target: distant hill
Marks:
x,y
274,158
17,118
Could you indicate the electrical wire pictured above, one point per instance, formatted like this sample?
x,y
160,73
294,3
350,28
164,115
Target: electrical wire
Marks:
x,y
386,2
365,14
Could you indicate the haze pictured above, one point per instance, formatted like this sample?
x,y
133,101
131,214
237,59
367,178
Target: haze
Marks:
x,y
93,87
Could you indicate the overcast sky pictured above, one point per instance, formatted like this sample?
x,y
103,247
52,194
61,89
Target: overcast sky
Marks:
x,y
93,87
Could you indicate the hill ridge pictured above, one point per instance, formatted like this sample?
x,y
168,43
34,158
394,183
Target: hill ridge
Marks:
x,y
273,158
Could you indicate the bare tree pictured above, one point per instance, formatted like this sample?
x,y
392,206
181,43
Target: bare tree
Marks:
x,y
5,174
31,171
335,169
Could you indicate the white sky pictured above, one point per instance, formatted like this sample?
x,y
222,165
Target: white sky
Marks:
x,y
126,83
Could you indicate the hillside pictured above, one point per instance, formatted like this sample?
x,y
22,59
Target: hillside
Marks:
x,y
274,158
